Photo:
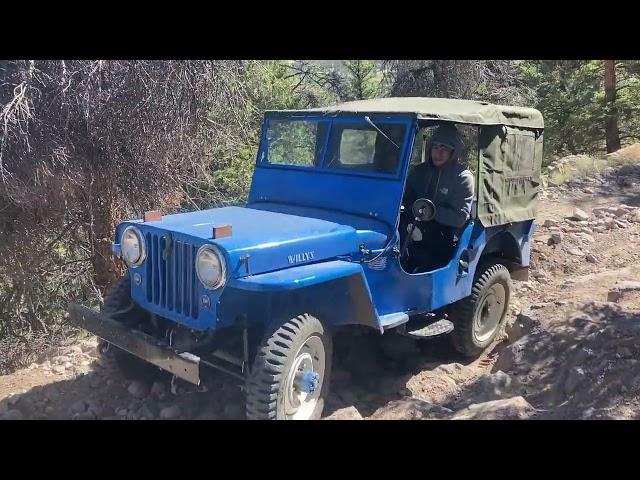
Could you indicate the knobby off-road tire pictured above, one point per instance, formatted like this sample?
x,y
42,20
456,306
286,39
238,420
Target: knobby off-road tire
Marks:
x,y
479,317
288,352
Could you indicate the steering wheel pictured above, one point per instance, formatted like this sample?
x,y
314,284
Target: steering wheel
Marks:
x,y
423,210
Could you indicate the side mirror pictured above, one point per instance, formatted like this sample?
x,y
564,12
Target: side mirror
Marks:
x,y
424,210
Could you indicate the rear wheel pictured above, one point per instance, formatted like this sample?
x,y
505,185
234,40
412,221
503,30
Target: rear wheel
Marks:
x,y
479,317
291,372
119,305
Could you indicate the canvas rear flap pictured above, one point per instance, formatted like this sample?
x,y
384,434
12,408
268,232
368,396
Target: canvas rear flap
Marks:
x,y
509,174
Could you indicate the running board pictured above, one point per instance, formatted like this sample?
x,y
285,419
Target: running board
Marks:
x,y
392,320
435,329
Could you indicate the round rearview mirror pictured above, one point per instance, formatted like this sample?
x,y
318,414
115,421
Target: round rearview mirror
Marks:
x,y
424,210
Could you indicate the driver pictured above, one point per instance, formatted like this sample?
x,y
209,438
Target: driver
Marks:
x,y
449,185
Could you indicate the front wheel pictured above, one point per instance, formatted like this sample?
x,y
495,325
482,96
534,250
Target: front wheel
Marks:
x,y
291,372
478,317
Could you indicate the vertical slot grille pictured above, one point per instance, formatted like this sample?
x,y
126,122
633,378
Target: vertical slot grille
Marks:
x,y
171,277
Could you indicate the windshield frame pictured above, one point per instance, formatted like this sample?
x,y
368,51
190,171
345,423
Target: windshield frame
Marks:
x,y
379,119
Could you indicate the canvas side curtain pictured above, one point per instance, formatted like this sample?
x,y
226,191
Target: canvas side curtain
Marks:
x,y
509,174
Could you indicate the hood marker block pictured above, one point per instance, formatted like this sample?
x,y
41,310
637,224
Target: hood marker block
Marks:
x,y
152,216
221,231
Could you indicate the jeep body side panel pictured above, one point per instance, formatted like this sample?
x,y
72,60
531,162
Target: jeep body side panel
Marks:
x,y
336,291
394,290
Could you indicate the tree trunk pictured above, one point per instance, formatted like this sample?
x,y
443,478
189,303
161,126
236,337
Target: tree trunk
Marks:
x,y
104,218
611,120
107,268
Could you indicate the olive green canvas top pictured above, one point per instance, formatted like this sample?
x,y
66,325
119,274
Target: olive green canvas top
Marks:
x,y
510,148
453,110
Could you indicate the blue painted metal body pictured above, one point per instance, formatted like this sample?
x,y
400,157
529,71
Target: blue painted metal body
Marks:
x,y
298,247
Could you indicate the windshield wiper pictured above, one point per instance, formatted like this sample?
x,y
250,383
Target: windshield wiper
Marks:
x,y
368,120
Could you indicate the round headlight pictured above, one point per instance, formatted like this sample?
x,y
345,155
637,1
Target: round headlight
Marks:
x,y
132,246
210,267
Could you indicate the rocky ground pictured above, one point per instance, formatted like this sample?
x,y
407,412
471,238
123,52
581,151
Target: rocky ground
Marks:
x,y
570,349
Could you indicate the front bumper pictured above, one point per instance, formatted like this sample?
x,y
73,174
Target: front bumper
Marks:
x,y
183,365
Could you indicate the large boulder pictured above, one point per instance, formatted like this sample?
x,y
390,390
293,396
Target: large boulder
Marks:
x,y
515,408
411,409
348,413
579,214
12,414
620,288
494,386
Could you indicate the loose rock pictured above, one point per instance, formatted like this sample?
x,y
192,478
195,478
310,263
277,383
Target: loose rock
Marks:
x,y
171,412
95,408
13,414
575,376
451,368
79,407
411,409
138,389
349,413
592,258
556,238
580,214
158,388
550,223
620,288
84,416
509,408
62,359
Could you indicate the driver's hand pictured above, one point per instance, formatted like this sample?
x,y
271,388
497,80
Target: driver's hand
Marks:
x,y
416,236
434,215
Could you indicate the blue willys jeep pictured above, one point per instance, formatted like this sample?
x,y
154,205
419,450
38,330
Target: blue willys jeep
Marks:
x,y
258,291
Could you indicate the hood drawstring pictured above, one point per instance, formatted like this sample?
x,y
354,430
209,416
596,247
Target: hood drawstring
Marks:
x,y
435,193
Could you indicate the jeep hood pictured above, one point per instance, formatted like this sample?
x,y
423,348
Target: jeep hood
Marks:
x,y
271,240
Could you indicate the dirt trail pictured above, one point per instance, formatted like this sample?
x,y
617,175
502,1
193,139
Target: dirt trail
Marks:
x,y
569,350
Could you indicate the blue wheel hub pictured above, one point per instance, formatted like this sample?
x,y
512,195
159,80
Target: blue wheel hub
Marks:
x,y
308,382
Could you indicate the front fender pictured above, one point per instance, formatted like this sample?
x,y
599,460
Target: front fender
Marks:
x,y
336,292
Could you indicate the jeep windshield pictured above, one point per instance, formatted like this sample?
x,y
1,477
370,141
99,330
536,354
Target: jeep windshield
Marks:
x,y
356,144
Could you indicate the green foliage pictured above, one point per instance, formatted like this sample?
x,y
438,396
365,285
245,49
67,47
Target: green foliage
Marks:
x,y
571,97
268,85
292,143
271,86
357,147
363,79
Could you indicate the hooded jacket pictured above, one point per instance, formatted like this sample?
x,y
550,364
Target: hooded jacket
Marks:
x,y
450,187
